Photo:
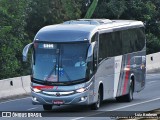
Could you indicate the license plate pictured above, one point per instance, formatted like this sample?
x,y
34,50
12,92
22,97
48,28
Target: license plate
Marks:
x,y
58,102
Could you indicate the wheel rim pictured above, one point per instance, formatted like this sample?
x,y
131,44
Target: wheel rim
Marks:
x,y
98,101
131,92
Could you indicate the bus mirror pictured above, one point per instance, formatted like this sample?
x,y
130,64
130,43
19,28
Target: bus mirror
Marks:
x,y
90,50
25,51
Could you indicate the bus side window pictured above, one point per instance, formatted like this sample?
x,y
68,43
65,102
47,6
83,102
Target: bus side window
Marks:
x,y
140,43
94,37
117,43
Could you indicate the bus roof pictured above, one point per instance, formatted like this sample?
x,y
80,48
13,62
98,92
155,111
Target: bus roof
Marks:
x,y
82,29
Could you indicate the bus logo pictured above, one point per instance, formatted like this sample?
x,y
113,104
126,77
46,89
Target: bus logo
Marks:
x,y
57,94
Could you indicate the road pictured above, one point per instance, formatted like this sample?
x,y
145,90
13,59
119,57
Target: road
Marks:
x,y
146,100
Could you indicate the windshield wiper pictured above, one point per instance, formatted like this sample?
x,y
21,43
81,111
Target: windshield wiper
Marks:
x,y
76,81
42,82
54,69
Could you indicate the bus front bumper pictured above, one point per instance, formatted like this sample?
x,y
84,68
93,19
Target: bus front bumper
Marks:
x,y
77,98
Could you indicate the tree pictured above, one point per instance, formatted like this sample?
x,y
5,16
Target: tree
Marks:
x,y
153,43
12,37
91,9
117,8
46,12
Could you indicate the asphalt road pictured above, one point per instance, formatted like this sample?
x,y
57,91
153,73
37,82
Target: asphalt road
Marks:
x,y
146,100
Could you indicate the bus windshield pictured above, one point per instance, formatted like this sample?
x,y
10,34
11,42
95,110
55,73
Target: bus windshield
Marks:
x,y
60,62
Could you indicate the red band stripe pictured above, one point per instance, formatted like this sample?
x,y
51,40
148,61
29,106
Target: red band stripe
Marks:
x,y
126,78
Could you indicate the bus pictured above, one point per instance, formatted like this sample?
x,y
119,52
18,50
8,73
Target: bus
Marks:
x,y
87,61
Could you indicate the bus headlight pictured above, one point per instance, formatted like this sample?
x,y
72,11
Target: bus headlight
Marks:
x,y
80,90
36,90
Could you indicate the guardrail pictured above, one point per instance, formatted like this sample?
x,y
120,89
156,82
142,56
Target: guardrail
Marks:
x,y
21,85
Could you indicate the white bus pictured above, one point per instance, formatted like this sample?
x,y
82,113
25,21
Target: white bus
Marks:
x,y
86,61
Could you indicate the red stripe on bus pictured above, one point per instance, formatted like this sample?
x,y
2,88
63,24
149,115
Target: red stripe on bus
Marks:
x,y
56,87
126,78
43,87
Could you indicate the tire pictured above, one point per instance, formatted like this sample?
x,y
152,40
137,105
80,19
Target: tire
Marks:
x,y
47,107
96,105
120,99
129,96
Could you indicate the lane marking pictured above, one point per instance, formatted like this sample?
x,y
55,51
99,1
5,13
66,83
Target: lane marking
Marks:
x,y
135,104
32,108
151,82
14,100
78,118
119,108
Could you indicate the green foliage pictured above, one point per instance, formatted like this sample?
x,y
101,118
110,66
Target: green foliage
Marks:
x,y
12,37
153,43
117,7
91,9
71,9
45,12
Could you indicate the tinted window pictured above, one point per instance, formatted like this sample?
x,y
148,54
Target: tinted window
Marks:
x,y
105,41
69,60
110,45
121,42
62,36
140,43
133,40
94,37
128,37
116,44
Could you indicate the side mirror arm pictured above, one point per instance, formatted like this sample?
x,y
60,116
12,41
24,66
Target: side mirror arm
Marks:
x,y
25,51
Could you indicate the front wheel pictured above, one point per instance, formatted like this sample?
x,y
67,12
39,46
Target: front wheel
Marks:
x,y
47,107
96,105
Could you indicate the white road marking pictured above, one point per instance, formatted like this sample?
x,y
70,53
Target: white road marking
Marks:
x,y
14,100
151,82
78,118
135,104
119,108
32,108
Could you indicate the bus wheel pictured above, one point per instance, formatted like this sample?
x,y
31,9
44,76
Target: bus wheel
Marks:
x,y
96,105
129,96
47,107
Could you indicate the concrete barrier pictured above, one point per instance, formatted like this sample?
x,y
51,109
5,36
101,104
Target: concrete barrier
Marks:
x,y
153,63
26,81
14,86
